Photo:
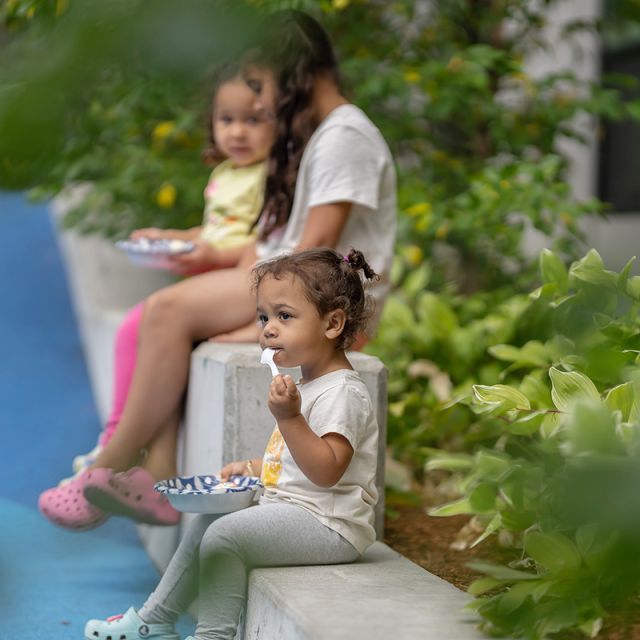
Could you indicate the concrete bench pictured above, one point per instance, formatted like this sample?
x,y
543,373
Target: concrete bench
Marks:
x,y
380,597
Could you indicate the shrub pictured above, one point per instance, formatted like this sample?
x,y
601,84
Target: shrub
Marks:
x,y
560,481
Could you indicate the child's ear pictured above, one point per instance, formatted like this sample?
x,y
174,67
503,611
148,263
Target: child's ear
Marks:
x,y
335,320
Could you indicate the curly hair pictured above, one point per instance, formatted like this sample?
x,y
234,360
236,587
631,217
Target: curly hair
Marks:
x,y
330,281
298,49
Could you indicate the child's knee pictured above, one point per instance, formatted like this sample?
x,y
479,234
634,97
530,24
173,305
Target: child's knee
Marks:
x,y
219,539
161,305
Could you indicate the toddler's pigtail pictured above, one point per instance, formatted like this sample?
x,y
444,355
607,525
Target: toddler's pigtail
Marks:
x,y
356,260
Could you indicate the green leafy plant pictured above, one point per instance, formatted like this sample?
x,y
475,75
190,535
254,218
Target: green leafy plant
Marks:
x,y
474,133
559,483
471,178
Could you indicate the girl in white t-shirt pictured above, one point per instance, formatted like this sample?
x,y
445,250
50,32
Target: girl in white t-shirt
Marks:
x,y
318,469
330,183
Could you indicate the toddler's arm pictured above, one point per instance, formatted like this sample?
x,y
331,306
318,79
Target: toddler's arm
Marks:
x,y
322,459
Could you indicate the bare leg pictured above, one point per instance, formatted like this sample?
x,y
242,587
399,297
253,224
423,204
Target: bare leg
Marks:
x,y
160,460
174,318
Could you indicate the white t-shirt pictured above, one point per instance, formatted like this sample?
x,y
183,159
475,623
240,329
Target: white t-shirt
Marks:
x,y
337,402
347,160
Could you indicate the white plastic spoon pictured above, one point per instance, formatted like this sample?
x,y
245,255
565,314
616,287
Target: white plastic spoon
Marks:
x,y
267,358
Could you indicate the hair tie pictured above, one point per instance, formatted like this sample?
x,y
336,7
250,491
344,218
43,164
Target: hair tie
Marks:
x,y
346,259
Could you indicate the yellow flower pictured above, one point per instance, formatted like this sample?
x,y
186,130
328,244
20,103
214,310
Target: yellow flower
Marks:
x,y
419,209
31,11
341,4
414,255
442,231
166,196
411,76
162,130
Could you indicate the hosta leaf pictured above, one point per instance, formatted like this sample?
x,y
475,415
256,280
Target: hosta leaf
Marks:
x,y
538,392
633,287
592,428
517,520
547,290
553,270
482,585
483,497
627,432
550,425
568,386
592,627
500,395
553,551
541,590
417,280
436,314
450,462
621,399
591,269
452,508
397,313
528,424
502,573
532,354
493,526
562,300
504,352
586,537
556,615
492,465
515,596
624,274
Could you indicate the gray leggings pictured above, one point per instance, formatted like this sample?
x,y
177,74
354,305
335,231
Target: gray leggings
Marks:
x,y
213,561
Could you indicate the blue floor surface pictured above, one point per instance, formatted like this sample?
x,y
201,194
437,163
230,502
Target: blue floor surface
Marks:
x,y
51,580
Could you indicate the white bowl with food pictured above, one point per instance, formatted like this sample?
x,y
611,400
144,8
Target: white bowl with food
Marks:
x,y
210,494
154,254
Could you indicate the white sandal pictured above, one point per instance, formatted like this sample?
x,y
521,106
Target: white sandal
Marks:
x,y
128,626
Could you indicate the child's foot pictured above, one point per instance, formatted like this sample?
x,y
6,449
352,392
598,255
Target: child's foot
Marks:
x,y
67,507
128,626
131,494
82,462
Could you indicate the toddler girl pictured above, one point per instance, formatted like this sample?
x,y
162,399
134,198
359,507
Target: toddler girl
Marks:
x,y
319,467
242,128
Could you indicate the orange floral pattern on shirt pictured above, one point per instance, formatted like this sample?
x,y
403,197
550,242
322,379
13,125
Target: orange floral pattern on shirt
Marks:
x,y
272,460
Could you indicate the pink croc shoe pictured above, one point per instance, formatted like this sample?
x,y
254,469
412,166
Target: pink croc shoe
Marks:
x,y
67,507
131,494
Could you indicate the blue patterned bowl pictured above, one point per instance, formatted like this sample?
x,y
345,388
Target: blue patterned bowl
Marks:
x,y
208,494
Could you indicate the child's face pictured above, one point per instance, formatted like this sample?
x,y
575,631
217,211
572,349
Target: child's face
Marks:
x,y
292,326
243,122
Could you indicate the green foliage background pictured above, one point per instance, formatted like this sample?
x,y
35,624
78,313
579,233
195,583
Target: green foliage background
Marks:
x,y
115,94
